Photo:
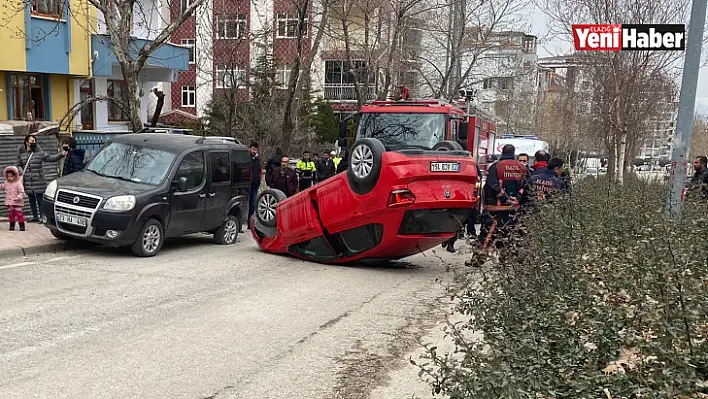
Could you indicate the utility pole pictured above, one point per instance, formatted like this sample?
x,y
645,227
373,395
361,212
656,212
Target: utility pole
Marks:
x,y
687,102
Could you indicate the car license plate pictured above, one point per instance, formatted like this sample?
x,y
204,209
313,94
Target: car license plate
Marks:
x,y
75,220
444,167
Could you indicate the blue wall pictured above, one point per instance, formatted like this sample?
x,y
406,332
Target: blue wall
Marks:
x,y
48,45
167,55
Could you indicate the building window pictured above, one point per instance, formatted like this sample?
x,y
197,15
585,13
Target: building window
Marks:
x,y
27,96
118,106
190,44
52,8
488,83
231,26
189,97
283,78
288,25
227,78
184,4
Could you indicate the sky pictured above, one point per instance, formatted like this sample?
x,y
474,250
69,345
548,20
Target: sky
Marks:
x,y
539,22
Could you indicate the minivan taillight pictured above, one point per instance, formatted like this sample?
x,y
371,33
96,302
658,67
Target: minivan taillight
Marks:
x,y
400,197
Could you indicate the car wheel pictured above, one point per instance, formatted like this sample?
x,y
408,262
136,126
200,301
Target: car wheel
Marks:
x,y
364,168
60,236
150,239
228,232
266,206
448,146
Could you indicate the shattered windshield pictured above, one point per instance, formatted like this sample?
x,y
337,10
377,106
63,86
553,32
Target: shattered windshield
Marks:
x,y
403,130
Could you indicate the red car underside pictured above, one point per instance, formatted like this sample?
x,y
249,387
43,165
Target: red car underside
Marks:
x,y
321,223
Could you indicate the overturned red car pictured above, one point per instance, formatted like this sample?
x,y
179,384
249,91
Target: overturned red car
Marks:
x,y
406,190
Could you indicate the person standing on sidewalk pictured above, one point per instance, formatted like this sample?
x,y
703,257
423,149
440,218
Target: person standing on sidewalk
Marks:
x,y
256,174
14,197
30,160
74,160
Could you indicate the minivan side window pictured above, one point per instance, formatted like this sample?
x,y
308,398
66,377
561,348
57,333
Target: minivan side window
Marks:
x,y
242,166
220,167
193,168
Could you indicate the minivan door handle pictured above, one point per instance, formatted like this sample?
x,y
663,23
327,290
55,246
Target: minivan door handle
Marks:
x,y
202,195
212,194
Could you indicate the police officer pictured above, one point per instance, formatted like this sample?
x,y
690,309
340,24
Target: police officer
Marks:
x,y
306,170
507,183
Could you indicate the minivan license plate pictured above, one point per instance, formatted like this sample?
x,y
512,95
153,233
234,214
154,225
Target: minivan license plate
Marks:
x,y
444,167
75,220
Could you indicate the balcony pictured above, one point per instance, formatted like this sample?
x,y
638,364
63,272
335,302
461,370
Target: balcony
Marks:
x,y
346,92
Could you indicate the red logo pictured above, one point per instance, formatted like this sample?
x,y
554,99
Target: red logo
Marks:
x,y
616,37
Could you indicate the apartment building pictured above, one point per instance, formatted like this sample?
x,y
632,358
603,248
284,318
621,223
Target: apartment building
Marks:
x,y
44,49
226,39
504,74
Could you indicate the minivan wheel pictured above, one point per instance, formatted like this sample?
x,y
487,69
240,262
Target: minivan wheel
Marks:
x,y
150,239
228,232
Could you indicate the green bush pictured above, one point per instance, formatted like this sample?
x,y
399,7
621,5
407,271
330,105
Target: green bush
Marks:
x,y
600,298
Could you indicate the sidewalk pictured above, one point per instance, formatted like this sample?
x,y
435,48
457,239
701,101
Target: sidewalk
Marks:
x,y
37,239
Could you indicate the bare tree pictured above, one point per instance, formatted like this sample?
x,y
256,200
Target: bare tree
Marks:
x,y
458,36
121,18
624,83
699,139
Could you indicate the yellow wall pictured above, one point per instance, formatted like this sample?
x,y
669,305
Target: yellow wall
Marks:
x,y
82,24
60,98
12,40
3,96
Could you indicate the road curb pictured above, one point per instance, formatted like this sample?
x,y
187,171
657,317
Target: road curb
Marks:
x,y
42,248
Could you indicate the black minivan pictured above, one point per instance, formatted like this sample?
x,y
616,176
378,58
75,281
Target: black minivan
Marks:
x,y
142,188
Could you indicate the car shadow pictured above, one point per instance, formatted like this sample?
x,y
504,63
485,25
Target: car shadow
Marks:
x,y
172,244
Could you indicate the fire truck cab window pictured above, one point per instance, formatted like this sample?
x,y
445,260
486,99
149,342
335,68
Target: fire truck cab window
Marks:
x,y
403,130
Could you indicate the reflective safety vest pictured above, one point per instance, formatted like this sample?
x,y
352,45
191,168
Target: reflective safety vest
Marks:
x,y
306,169
336,161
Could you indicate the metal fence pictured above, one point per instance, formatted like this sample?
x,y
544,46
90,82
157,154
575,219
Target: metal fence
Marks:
x,y
9,146
92,142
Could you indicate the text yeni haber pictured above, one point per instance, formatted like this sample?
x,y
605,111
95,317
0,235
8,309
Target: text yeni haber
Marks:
x,y
624,37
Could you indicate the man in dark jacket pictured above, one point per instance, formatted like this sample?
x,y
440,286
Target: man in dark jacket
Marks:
x,y
74,160
256,173
540,162
507,183
699,180
546,185
325,168
283,178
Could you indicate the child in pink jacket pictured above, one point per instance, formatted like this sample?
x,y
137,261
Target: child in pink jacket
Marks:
x,y
14,196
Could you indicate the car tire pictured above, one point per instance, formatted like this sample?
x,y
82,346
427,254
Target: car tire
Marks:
x,y
60,236
365,161
150,239
266,205
227,233
448,146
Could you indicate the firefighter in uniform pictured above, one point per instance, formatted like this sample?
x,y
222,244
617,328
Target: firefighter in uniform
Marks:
x,y
507,183
306,170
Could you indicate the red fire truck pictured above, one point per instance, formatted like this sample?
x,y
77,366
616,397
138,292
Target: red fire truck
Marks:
x,y
426,124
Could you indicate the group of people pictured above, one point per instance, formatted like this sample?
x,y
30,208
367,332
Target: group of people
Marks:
x,y
26,178
308,171
513,187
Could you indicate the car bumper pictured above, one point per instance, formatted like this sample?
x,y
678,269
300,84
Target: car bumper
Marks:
x,y
108,228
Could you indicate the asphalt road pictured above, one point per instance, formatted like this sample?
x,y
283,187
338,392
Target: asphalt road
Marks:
x,y
207,321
